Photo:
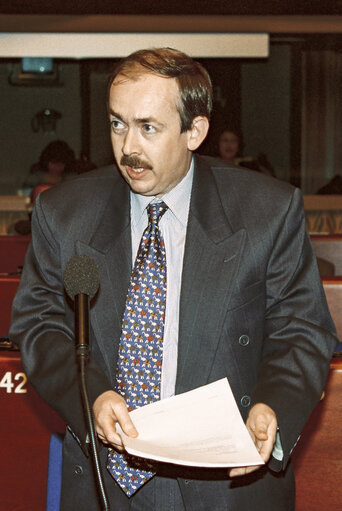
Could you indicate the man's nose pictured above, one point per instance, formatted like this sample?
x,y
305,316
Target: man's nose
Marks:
x,y
131,143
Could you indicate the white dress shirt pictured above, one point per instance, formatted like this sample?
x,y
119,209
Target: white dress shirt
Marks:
x,y
173,225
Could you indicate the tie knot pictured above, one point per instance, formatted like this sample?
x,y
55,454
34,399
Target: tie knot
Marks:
x,y
155,211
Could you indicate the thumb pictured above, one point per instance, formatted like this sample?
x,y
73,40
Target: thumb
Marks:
x,y
261,429
128,427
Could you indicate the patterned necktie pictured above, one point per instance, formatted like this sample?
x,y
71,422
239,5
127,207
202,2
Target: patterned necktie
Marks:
x,y
138,373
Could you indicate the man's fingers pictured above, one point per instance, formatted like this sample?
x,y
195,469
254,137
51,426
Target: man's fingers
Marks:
x,y
109,409
101,434
262,422
128,427
241,471
262,426
106,430
122,417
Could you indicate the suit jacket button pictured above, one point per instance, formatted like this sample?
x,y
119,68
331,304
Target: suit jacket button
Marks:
x,y
243,340
78,470
245,401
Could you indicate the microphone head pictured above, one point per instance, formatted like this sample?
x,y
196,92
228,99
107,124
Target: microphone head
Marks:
x,y
81,276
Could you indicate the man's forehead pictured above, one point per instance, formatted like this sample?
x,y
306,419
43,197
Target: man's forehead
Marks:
x,y
144,94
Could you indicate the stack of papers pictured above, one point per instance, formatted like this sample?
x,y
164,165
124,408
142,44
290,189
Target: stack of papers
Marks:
x,y
200,428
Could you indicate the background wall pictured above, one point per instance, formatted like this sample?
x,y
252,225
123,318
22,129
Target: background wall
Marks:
x,y
99,129
266,108
20,146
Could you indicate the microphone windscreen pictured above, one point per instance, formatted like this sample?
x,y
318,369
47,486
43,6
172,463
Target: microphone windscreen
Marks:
x,y
81,276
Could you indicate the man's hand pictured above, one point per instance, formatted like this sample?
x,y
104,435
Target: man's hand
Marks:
x,y
262,426
110,408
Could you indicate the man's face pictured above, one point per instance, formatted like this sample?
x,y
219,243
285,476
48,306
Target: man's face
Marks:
x,y
150,151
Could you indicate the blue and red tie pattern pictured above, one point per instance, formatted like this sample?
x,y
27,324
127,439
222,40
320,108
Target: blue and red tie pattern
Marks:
x,y
138,373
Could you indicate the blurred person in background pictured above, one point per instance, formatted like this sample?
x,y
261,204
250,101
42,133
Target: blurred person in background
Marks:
x,y
231,151
56,163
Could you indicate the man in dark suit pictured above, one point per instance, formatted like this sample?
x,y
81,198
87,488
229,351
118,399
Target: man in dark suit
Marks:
x,y
244,297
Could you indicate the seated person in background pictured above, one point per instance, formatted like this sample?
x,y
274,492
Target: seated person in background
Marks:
x,y
230,150
230,145
56,163
37,190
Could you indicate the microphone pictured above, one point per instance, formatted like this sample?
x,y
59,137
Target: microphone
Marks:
x,y
81,280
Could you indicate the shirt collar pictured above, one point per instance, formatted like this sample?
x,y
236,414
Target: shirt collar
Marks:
x,y
177,199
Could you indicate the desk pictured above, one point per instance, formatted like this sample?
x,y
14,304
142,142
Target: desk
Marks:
x,y
317,459
323,213
25,428
12,209
12,252
27,423
8,289
329,247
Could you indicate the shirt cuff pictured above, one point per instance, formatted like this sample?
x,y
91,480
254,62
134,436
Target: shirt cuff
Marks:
x,y
278,452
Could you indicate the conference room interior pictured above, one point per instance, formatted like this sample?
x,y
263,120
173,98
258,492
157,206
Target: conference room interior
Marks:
x,y
287,103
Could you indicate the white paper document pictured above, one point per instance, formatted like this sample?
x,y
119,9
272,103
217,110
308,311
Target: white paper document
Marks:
x,y
200,428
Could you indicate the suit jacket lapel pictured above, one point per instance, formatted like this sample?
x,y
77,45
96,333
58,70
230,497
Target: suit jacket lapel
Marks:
x,y
210,262
110,247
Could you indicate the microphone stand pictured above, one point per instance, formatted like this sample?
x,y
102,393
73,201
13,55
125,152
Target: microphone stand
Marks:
x,y
82,355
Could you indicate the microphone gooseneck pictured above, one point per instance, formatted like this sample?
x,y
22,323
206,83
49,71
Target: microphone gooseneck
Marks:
x,y
81,281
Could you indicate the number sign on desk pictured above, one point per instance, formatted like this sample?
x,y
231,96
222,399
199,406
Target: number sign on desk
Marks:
x,y
26,425
13,382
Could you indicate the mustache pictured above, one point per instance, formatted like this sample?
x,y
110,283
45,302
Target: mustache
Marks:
x,y
134,161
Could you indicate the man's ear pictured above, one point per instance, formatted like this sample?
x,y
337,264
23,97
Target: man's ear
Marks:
x,y
197,132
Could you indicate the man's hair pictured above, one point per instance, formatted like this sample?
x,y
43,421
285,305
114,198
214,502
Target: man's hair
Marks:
x,y
193,80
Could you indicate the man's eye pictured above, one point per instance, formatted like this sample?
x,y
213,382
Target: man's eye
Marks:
x,y
116,125
148,128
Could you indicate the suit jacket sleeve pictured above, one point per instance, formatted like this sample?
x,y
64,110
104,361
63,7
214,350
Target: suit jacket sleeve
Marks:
x,y
42,326
299,333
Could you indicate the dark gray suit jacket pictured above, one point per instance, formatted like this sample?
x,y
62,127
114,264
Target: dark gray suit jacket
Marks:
x,y
252,308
